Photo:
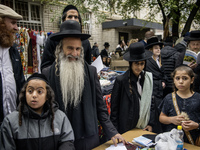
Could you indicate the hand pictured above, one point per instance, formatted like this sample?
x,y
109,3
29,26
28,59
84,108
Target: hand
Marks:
x,y
189,125
148,128
123,43
163,85
176,120
192,65
118,137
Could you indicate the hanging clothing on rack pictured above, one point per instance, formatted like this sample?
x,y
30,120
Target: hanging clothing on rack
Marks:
x,y
34,51
40,40
30,45
22,41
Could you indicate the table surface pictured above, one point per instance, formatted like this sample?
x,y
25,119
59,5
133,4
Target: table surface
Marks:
x,y
138,132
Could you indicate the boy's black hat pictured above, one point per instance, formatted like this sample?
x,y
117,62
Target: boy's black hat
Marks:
x,y
153,41
106,44
37,76
137,52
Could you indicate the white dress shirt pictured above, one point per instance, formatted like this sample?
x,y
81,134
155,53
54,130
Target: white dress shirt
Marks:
x,y
8,82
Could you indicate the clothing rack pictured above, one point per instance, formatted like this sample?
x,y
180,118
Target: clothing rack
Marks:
x,y
30,44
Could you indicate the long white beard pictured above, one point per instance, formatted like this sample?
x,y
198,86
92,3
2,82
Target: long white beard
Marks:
x,y
71,80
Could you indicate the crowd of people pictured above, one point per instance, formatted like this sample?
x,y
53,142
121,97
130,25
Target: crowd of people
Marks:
x,y
60,108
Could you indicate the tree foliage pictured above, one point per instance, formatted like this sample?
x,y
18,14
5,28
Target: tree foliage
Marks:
x,y
177,15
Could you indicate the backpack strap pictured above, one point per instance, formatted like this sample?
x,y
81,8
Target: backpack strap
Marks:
x,y
178,113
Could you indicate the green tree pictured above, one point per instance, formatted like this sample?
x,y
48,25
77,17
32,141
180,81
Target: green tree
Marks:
x,y
176,14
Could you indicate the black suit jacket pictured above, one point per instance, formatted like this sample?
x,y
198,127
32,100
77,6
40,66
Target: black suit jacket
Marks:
x,y
84,118
158,77
125,106
104,53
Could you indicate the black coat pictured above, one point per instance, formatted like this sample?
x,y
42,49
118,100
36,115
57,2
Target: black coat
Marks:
x,y
169,56
104,53
124,108
158,77
158,91
48,56
18,75
95,51
84,118
180,47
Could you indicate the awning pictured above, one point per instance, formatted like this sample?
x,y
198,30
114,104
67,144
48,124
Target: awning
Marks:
x,y
131,24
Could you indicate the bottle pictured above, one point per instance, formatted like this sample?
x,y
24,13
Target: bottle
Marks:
x,y
180,140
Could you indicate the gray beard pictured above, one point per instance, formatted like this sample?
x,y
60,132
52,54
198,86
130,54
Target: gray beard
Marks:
x,y
71,80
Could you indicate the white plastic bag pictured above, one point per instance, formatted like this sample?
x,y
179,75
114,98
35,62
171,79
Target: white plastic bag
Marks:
x,y
167,140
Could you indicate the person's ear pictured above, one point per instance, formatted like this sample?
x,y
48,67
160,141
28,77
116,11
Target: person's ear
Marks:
x,y
192,80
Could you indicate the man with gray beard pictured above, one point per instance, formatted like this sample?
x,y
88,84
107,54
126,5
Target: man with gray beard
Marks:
x,y
77,89
71,76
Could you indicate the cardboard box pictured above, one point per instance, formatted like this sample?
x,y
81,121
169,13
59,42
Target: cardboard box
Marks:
x,y
121,65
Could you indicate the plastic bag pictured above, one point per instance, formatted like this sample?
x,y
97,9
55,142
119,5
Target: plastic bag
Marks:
x,y
167,140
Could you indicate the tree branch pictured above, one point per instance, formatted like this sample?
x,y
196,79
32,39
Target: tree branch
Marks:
x,y
191,17
161,8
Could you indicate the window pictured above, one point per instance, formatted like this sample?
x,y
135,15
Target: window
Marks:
x,y
35,12
31,13
87,23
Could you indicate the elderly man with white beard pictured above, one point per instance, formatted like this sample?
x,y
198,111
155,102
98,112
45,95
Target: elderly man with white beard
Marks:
x,y
77,89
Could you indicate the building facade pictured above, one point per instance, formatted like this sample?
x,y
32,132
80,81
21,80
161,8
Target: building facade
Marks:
x,y
45,17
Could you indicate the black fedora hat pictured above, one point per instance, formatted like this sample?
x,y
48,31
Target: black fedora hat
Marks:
x,y
193,36
137,52
69,28
153,41
106,44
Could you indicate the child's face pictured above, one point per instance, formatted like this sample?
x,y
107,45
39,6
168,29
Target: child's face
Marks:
x,y
182,80
36,94
137,67
104,59
156,50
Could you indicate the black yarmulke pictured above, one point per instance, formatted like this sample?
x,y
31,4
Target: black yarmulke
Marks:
x,y
68,7
38,76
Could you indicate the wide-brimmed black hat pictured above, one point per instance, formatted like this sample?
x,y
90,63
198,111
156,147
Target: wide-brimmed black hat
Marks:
x,y
137,52
106,44
193,36
69,28
153,41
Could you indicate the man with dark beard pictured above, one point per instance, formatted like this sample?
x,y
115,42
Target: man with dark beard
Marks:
x,y
11,72
77,88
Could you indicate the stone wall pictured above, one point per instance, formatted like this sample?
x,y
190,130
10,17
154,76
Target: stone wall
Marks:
x,y
51,17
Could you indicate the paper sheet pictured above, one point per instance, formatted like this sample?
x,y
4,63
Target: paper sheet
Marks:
x,y
120,146
98,64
